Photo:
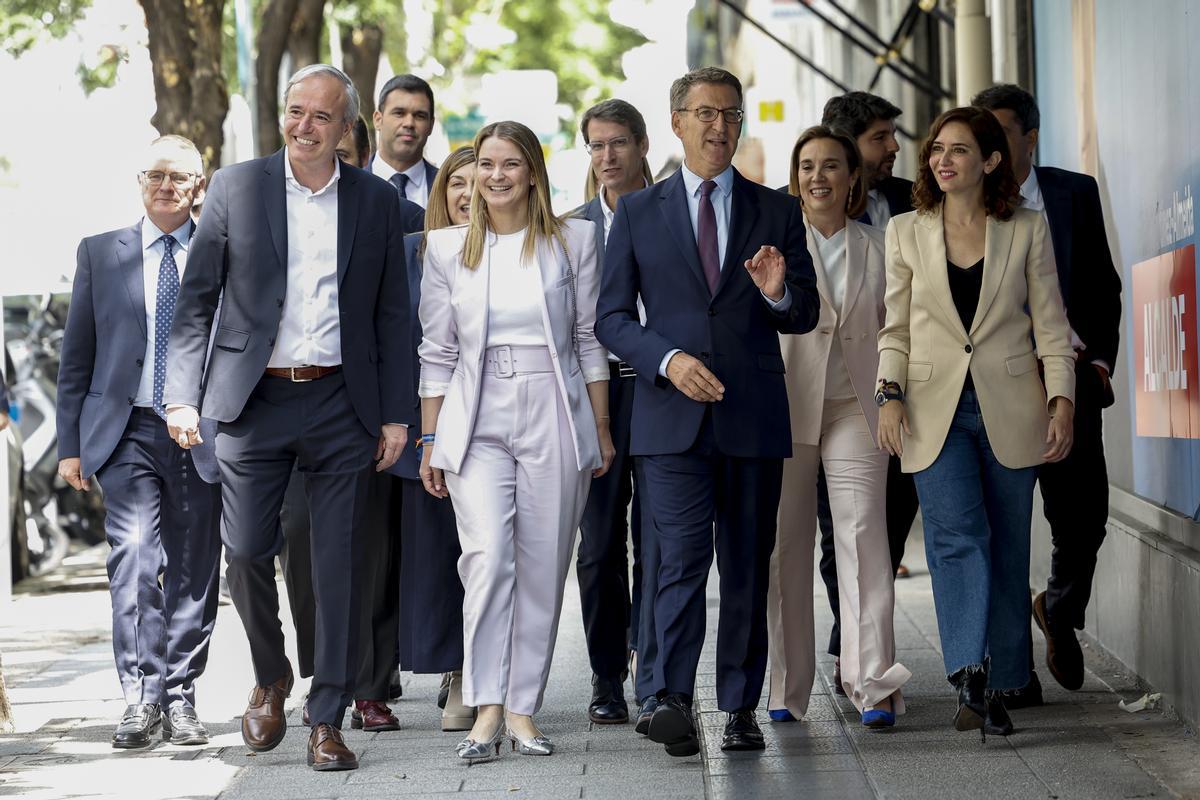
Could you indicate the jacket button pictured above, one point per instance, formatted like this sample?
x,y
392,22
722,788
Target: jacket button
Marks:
x,y
967,349
279,302
270,342
139,362
712,312
706,355
130,399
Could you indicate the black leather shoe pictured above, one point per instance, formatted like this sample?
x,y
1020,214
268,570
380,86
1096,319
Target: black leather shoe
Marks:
x,y
182,726
997,722
608,705
672,726
137,725
1027,696
645,712
972,707
742,732
1064,656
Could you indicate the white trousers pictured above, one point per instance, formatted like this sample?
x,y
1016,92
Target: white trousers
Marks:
x,y
856,476
518,499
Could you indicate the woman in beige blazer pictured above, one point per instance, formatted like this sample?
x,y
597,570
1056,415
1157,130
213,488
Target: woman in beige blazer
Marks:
x,y
972,304
830,383
514,408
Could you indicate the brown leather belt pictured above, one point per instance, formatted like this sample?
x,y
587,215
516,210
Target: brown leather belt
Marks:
x,y
302,374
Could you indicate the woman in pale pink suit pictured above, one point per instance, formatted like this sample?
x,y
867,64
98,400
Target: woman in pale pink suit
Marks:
x,y
830,380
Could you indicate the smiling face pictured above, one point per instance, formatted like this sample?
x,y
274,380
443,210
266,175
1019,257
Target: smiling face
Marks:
x,y
404,124
503,177
825,177
314,121
878,146
169,203
957,164
458,194
708,147
619,164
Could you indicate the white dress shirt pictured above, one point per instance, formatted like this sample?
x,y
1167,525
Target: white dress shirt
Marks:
x,y
152,255
833,262
309,328
514,294
878,209
417,191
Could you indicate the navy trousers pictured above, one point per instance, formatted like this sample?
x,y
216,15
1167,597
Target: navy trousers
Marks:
x,y
602,566
296,560
688,493
431,592
162,523
643,612
312,425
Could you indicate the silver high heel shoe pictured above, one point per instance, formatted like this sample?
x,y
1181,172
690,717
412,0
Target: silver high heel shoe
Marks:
x,y
537,746
472,751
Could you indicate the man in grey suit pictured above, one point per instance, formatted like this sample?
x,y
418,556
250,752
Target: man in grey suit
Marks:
x,y
614,134
162,509
312,365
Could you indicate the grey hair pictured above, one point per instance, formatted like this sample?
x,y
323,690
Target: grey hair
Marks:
x,y
352,103
179,143
681,86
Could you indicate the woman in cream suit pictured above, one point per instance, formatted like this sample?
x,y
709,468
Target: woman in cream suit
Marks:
x,y
971,286
514,407
830,382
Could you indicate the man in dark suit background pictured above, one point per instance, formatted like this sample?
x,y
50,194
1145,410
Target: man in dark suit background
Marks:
x,y
614,134
1074,490
163,510
403,121
871,121
721,267
311,365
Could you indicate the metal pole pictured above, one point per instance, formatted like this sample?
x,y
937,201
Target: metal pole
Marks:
x,y
972,49
6,542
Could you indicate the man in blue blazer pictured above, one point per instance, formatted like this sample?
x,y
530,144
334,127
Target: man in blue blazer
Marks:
x,y
162,510
721,266
312,364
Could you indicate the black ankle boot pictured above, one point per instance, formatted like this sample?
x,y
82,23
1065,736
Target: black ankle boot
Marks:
x,y
972,707
997,721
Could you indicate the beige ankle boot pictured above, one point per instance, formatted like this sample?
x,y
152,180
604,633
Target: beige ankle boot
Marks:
x,y
456,716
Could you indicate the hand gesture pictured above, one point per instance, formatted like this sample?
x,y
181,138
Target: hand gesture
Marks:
x,y
691,377
392,439
767,269
183,423
892,419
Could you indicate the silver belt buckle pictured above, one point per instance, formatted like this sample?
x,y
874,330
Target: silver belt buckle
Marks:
x,y
626,371
292,376
503,364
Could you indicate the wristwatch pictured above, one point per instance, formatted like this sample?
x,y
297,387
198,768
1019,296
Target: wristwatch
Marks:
x,y
888,390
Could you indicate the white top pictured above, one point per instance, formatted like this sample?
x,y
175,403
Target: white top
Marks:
x,y
309,329
416,191
878,209
833,261
514,294
152,255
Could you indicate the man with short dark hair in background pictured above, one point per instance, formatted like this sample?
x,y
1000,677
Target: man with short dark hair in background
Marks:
x,y
1074,490
163,508
403,122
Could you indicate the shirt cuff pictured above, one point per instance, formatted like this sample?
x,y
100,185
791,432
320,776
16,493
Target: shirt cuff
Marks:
x,y
1101,362
784,303
595,375
662,367
432,388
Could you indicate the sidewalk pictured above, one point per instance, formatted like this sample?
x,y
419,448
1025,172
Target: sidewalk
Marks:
x,y
58,664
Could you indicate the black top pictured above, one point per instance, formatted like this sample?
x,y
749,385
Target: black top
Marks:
x,y
965,283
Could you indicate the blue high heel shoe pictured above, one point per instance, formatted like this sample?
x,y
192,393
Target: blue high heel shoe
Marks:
x,y
877,718
780,715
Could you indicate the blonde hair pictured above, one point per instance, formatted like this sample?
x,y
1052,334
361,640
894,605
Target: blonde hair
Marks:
x,y
542,222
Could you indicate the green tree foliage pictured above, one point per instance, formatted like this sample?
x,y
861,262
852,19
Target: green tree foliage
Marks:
x,y
24,22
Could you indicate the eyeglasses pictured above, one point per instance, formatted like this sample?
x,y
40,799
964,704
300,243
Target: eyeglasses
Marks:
x,y
709,114
617,145
155,177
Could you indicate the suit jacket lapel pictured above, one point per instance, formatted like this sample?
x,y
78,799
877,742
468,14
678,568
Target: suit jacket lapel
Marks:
x,y
931,245
995,263
595,213
818,267
347,220
275,197
129,257
856,266
743,213
674,203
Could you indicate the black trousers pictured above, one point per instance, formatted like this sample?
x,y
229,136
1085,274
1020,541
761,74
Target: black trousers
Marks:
x,y
1075,501
602,566
901,502
296,560
379,611
313,425
431,592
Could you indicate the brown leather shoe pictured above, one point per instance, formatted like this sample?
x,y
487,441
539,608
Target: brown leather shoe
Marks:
x,y
264,724
373,716
327,751
1064,656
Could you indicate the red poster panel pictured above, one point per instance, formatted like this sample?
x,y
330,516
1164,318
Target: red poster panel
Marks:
x,y
1164,331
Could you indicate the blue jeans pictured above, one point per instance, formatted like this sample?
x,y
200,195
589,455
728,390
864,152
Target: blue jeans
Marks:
x,y
977,514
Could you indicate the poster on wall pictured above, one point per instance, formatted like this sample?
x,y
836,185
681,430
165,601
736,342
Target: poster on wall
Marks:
x,y
1167,385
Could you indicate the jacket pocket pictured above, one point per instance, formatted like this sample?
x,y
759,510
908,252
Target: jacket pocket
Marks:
x,y
920,370
231,339
769,362
1019,365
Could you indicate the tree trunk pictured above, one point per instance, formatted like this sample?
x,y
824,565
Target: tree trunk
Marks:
x,y
274,27
189,87
361,49
304,45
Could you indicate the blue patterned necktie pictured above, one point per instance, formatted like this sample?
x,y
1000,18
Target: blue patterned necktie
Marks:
x,y
400,181
164,312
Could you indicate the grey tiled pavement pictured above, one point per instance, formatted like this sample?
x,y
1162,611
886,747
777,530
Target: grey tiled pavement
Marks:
x,y
57,660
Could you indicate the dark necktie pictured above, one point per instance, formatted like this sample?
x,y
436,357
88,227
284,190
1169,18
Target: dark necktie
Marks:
x,y
164,312
400,181
706,237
